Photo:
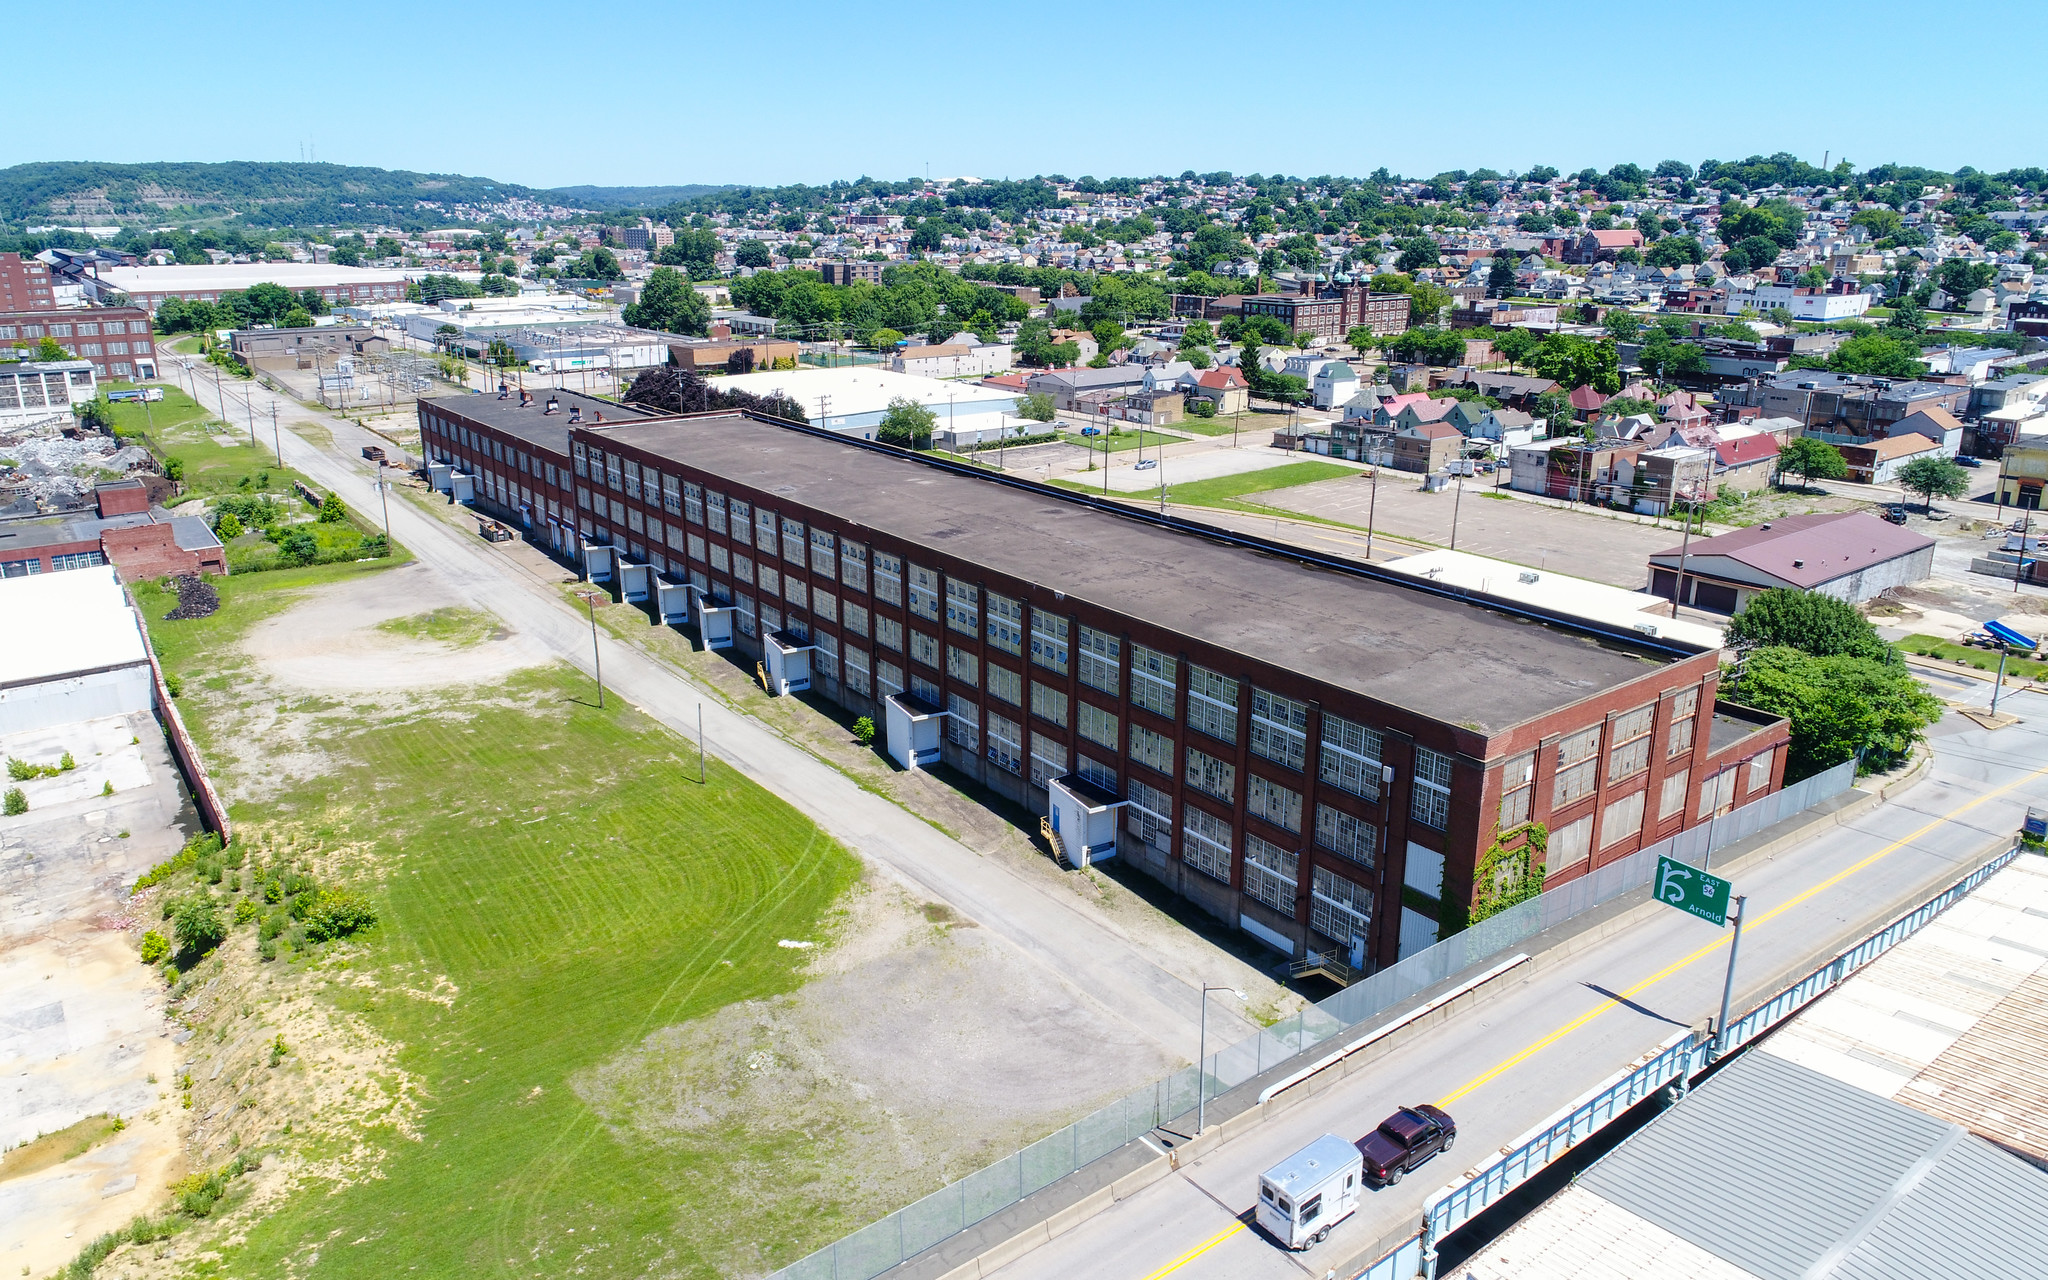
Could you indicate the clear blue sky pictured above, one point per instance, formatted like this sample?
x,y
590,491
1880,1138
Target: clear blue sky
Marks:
x,y
555,94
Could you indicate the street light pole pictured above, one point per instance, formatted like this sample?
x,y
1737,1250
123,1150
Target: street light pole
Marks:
x,y
1684,547
1373,507
277,437
1457,504
1202,1057
1728,987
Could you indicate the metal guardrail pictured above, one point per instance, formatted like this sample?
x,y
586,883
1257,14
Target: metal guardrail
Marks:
x,y
952,1209
1676,1061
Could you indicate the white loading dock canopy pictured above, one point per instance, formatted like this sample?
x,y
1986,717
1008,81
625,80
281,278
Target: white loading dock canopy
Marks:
x,y
1083,816
672,602
913,729
75,653
788,659
636,581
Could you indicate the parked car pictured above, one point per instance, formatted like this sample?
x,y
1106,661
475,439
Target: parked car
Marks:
x,y
1406,1140
1091,431
1895,514
1965,460
1309,1192
1146,464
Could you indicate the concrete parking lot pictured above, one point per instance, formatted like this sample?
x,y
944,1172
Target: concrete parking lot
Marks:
x,y
1586,543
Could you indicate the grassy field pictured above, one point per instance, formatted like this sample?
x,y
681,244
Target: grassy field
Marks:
x,y
451,626
1230,493
1225,424
1120,442
179,427
563,872
1968,655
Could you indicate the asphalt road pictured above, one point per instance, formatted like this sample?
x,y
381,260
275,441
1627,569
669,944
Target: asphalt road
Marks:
x,y
1096,962
1511,1063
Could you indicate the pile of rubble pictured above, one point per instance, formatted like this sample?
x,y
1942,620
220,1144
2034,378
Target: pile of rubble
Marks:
x,y
196,599
55,471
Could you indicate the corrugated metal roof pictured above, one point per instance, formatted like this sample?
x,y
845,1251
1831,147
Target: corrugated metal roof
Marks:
x,y
1789,1173
1579,1236
1953,1021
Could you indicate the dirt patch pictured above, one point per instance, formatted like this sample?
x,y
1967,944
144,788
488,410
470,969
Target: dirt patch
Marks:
x,y
331,640
919,1051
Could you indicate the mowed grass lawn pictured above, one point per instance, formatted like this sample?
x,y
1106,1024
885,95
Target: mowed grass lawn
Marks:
x,y
1231,493
564,870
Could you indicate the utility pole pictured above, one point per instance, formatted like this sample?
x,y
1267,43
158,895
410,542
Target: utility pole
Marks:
x,y
1456,504
596,658
1678,590
384,496
277,437
1372,508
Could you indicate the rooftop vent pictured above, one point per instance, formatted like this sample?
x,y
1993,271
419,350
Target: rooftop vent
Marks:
x,y
554,406
1799,564
575,413
525,398
1530,575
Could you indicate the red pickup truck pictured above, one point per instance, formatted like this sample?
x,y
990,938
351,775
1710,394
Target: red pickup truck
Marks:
x,y
1405,1140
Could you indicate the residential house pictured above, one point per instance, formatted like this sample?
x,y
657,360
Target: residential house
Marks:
x,y
1224,387
1423,410
1586,402
1067,387
1508,428
1600,246
1657,479
1333,384
1879,461
1466,416
2022,475
955,360
1938,425
1426,446
1148,408
1745,462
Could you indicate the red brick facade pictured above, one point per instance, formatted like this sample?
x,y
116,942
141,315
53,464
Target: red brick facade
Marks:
x,y
117,340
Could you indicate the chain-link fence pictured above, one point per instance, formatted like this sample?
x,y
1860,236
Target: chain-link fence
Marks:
x,y
947,1212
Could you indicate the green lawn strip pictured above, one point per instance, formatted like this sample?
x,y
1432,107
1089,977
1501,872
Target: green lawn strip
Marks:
x,y
1229,492
452,625
1967,655
1204,426
564,869
1121,442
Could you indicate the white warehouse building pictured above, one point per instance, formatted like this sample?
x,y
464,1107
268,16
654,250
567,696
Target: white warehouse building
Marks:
x,y
82,660
853,400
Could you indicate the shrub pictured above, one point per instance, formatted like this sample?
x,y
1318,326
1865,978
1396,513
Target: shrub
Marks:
x,y
273,924
337,913
210,871
273,891
298,547
864,730
16,802
197,925
267,949
331,510
67,763
235,857
155,947
203,845
107,787
1201,408
228,527
245,911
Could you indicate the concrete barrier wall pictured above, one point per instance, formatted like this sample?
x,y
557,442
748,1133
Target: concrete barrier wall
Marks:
x,y
212,810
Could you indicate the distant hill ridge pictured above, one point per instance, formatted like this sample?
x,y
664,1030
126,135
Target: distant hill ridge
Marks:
x,y
262,193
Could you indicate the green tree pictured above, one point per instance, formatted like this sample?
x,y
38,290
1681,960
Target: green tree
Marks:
x,y
669,304
1838,706
229,527
1038,407
51,349
331,510
197,925
907,424
884,339
297,318
1933,477
1500,276
1623,325
1817,625
299,547
595,264
1515,345
1198,333
751,253
1811,460
1417,253
1675,251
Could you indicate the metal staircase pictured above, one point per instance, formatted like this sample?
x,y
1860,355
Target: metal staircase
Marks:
x,y
1059,848
1330,967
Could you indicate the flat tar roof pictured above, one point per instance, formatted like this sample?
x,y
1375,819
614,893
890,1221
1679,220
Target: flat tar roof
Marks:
x,y
1448,660
534,424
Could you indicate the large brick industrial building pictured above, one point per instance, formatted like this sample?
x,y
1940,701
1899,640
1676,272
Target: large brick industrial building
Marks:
x,y
1319,753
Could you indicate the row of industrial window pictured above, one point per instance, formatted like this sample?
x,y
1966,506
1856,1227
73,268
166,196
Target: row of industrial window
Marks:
x,y
1578,757
83,329
1350,758
28,568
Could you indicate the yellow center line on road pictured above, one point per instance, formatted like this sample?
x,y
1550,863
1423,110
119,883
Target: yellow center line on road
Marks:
x,y
1197,1251
1538,1046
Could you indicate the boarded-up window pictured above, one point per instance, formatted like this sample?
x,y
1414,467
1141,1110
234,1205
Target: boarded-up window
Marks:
x,y
1569,845
1672,798
1622,819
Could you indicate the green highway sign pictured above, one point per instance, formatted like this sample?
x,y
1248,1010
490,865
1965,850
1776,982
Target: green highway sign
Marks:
x,y
1692,891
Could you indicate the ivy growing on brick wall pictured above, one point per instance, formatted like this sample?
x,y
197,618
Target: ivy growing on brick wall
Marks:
x,y
1510,871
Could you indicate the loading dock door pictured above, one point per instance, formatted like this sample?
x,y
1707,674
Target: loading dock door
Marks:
x,y
672,602
636,581
714,623
438,476
788,661
913,729
597,562
462,487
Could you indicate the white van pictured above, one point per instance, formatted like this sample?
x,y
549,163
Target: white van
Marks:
x,y
1309,1192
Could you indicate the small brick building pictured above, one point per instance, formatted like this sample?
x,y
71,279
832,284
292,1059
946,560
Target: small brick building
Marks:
x,y
139,540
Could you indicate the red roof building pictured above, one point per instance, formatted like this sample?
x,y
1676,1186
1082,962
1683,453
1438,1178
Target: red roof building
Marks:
x,y
1846,554
1587,400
